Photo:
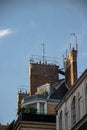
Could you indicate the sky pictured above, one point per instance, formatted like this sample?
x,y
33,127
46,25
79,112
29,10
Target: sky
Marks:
x,y
24,26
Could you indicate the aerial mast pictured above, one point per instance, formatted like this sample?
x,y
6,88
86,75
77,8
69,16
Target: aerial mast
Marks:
x,y
73,34
43,57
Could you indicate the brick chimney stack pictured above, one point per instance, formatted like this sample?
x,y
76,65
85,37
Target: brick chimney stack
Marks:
x,y
70,65
41,73
20,96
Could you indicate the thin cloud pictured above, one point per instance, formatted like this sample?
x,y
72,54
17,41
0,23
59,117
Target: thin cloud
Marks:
x,y
5,32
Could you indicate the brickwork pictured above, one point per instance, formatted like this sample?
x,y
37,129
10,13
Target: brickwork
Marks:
x,y
71,68
41,74
51,108
20,96
3,127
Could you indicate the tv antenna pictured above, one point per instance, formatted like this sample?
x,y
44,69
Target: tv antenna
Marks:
x,y
43,46
73,34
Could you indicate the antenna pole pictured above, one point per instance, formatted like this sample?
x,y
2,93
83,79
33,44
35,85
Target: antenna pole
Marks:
x,y
76,41
73,34
70,46
43,45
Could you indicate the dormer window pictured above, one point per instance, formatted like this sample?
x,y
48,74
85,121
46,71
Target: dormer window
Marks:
x,y
42,105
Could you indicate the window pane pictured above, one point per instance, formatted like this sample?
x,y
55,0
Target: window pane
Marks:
x,y
41,107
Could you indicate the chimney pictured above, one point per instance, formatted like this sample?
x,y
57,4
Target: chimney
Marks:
x,y
70,65
41,74
20,96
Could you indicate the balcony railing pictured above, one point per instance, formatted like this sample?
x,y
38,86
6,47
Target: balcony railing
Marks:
x,y
37,117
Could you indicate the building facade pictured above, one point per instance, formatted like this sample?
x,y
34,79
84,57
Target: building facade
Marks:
x,y
35,122
72,110
47,90
46,98
3,127
39,74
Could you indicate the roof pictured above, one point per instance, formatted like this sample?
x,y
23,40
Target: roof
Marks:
x,y
60,91
34,97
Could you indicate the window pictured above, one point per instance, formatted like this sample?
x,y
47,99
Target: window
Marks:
x,y
60,121
42,108
73,111
34,105
86,97
79,100
66,118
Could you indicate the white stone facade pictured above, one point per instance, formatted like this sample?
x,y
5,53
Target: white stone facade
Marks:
x,y
73,107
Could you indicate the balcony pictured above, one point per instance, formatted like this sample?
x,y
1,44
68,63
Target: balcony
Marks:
x,y
37,118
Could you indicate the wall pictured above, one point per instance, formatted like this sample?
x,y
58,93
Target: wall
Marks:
x,y
41,74
35,126
3,127
51,108
20,96
70,64
80,107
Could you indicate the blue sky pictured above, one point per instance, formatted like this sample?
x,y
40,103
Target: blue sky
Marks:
x,y
24,25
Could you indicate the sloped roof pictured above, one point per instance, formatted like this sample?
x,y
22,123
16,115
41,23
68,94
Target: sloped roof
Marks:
x,y
35,97
60,91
